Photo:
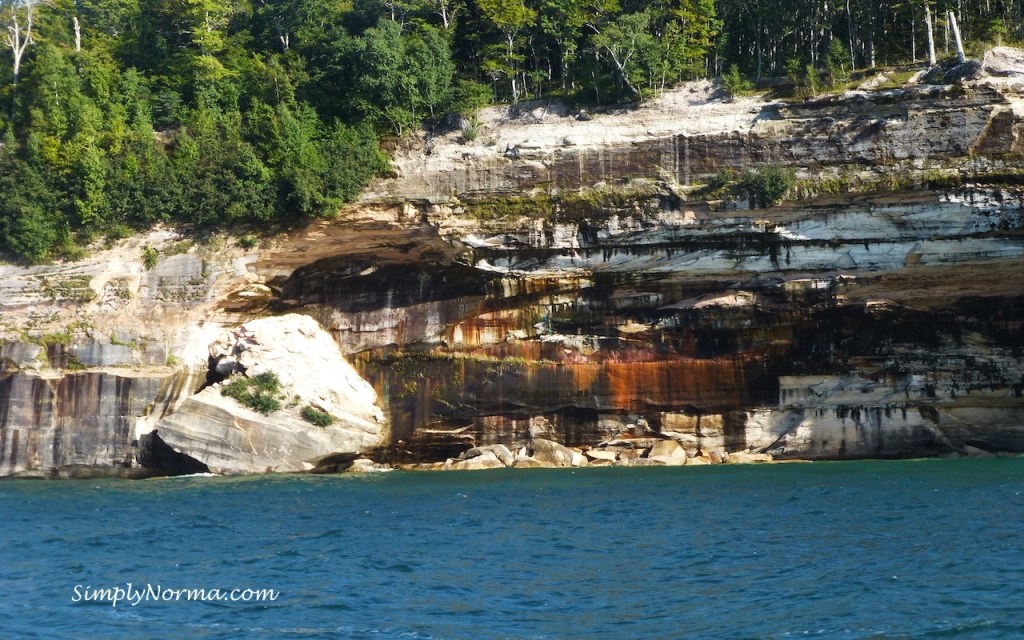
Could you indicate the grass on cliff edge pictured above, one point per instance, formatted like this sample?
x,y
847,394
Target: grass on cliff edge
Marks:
x,y
260,393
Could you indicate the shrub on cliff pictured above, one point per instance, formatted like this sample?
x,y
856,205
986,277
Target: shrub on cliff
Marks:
x,y
735,83
259,393
315,416
767,186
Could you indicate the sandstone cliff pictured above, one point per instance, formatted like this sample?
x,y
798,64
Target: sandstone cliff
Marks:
x,y
567,278
873,136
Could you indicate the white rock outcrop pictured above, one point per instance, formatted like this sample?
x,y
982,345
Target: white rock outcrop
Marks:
x,y
230,438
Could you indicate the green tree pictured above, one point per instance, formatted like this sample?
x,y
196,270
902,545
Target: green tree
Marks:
x,y
688,37
769,185
563,21
510,17
430,61
838,63
31,225
385,86
623,42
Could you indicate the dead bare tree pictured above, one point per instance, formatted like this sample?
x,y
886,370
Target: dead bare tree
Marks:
x,y
931,34
17,18
956,34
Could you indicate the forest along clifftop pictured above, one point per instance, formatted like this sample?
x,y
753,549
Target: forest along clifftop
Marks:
x,y
594,281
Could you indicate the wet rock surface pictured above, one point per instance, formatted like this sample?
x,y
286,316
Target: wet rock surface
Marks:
x,y
74,420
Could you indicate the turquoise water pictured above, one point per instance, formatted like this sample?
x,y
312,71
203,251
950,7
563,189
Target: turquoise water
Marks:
x,y
927,549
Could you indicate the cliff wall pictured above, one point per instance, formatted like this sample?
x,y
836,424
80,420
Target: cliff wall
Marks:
x,y
873,326
567,277
891,137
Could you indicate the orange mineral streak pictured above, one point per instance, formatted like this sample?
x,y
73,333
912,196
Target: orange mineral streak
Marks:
x,y
486,328
525,286
585,377
636,385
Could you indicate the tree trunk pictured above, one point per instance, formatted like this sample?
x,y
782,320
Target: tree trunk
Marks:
x,y
956,35
913,36
621,66
757,76
849,23
443,12
931,35
563,57
510,39
18,40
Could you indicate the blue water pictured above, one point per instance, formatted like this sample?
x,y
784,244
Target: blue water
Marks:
x,y
927,549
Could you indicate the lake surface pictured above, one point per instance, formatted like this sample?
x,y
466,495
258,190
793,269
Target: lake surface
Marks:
x,y
918,549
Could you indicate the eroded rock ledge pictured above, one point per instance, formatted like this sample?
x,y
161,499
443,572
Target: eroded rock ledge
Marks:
x,y
868,326
896,136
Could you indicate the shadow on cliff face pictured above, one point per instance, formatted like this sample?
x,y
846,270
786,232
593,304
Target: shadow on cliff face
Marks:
x,y
367,287
160,458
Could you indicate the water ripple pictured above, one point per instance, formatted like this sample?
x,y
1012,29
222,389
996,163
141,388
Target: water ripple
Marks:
x,y
832,550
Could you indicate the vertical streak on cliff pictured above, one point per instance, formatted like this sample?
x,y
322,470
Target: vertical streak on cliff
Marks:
x,y
579,168
56,452
5,407
14,450
40,390
686,162
123,425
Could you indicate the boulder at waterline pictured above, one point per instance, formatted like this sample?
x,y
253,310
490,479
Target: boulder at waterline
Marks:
x,y
311,372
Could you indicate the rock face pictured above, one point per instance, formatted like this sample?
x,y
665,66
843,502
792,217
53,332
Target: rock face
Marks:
x,y
690,134
229,438
880,325
54,422
843,326
306,360
567,280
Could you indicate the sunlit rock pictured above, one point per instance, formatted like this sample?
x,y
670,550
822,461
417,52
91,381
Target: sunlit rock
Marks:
x,y
230,438
555,454
486,460
500,451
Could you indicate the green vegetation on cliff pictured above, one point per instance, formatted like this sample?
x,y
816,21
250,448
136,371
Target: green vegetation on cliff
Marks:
x,y
316,416
118,115
260,393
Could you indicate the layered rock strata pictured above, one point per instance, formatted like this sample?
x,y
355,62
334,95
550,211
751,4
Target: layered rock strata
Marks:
x,y
566,279
873,326
879,137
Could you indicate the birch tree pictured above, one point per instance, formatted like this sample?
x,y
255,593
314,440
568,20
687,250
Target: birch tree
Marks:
x,y
510,17
930,33
622,41
18,17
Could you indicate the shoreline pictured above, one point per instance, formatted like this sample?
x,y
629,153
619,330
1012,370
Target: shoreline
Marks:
x,y
368,467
